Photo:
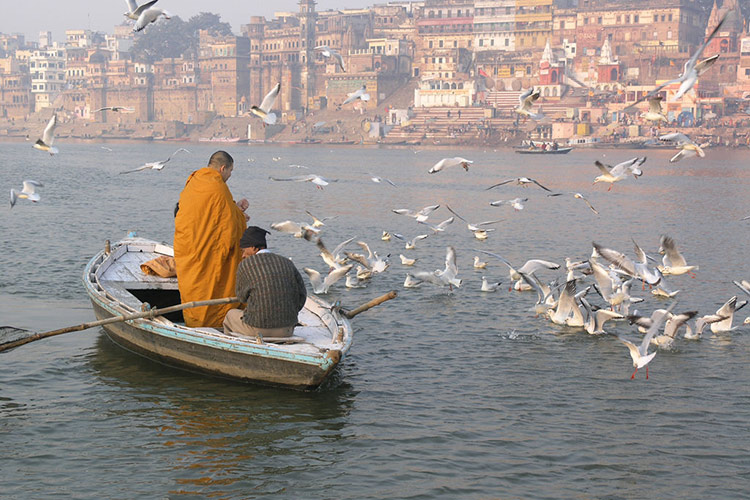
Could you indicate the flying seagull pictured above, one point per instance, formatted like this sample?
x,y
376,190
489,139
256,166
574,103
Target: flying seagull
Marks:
x,y
327,52
450,162
27,193
48,137
360,93
148,16
116,109
521,181
525,101
155,165
135,10
264,110
687,146
315,179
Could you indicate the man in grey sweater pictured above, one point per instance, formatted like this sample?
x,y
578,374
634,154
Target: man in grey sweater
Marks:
x,y
271,287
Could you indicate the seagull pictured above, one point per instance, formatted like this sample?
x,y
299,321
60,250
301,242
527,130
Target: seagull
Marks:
x,y
636,269
688,146
439,228
421,215
479,232
594,324
412,243
319,222
412,282
264,110
148,16
567,312
321,286
334,259
479,264
27,193
360,93
315,179
578,196
378,180
700,325
673,324
530,267
135,11
116,109
673,261
516,203
106,149
727,312
446,277
521,181
489,287
406,261
639,353
525,101
297,229
48,137
655,113
450,162
155,165
326,51
620,171
353,282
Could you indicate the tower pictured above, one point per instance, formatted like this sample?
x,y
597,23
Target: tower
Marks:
x,y
307,17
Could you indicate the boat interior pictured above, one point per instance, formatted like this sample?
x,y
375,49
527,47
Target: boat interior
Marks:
x,y
119,277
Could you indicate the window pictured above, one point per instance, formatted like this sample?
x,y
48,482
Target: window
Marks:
x,y
430,44
440,43
481,42
507,42
635,19
670,18
598,20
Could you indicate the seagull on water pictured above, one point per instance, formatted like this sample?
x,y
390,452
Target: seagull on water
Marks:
x,y
446,277
412,243
489,286
479,232
27,193
406,261
636,269
155,165
727,312
478,263
620,171
450,162
321,285
673,262
48,137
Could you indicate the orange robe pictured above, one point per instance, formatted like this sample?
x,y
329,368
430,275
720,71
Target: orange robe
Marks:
x,y
207,232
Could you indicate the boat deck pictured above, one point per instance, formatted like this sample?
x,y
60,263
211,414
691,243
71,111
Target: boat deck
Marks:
x,y
120,274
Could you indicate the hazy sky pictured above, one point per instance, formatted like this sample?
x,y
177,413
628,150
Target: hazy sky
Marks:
x,y
32,16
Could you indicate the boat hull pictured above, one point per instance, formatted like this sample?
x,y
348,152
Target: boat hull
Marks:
x,y
560,151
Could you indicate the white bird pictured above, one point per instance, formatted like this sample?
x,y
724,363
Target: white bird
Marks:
x,y
406,261
264,110
516,203
438,228
315,179
700,324
27,193
620,171
578,196
412,282
521,181
319,222
595,320
297,229
450,162
671,327
673,262
639,354
360,93
655,113
327,52
353,282
525,101
636,269
336,258
421,215
480,232
489,287
376,179
567,312
321,286
479,264
727,312
688,147
371,261
48,137
135,11
412,243
446,277
531,266
116,109
155,165
148,16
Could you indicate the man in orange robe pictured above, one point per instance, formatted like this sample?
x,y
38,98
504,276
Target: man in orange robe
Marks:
x,y
207,226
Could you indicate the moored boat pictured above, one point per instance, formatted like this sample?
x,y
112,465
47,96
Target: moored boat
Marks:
x,y
539,151
116,286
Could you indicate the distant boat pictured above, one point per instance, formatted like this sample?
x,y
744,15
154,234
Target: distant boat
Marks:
x,y
539,151
219,139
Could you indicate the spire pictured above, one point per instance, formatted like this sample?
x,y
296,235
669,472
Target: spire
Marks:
x,y
713,19
606,55
547,55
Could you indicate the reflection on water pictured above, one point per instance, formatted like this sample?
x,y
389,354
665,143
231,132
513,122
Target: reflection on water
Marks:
x,y
221,435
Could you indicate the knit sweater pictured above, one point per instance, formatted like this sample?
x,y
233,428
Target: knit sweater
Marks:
x,y
273,290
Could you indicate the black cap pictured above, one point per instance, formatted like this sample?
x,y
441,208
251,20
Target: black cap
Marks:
x,y
254,236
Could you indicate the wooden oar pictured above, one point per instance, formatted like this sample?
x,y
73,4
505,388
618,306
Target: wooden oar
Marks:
x,y
369,305
152,313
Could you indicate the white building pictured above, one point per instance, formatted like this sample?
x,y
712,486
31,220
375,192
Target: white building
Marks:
x,y
47,68
494,25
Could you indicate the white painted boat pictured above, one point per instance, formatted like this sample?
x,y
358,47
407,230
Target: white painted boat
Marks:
x,y
117,286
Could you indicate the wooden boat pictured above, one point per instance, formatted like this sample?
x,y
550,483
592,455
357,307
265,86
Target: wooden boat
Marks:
x,y
539,151
116,286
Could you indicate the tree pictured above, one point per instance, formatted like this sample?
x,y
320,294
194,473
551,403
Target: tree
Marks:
x,y
175,37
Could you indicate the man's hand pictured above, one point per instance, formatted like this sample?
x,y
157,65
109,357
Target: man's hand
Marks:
x,y
243,204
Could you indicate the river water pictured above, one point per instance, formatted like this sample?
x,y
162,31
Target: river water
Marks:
x,y
444,394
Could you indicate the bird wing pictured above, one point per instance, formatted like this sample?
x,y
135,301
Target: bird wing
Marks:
x,y
654,104
428,210
439,166
142,167
270,98
132,5
683,153
522,97
498,256
677,137
404,211
340,246
336,275
673,256
29,185
744,286
287,226
499,184
691,63
296,178
339,59
658,319
618,259
604,168
533,265
138,10
537,183
450,262
177,151
48,136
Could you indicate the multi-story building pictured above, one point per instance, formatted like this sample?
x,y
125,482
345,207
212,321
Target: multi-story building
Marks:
x,y
15,90
444,39
494,25
225,72
47,67
9,43
533,26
